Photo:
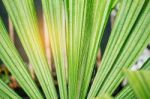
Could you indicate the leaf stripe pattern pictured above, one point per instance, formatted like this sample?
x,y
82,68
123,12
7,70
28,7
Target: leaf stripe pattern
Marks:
x,y
55,20
130,32
6,92
142,86
15,64
127,91
23,16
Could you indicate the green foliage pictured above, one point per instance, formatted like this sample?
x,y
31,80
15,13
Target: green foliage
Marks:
x,y
146,65
139,81
55,20
75,29
127,92
22,14
15,64
104,97
86,21
6,92
4,76
129,37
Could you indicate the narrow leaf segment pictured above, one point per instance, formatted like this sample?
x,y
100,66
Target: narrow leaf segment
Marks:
x,y
13,61
6,92
139,81
23,16
86,21
55,20
127,91
130,35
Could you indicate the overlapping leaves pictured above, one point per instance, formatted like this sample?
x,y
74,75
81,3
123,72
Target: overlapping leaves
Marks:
x,y
75,31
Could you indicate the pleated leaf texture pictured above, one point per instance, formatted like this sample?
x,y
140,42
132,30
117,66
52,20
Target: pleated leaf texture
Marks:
x,y
128,92
75,30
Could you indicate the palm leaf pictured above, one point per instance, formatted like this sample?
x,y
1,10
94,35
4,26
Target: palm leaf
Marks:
x,y
23,16
139,81
104,97
6,92
127,91
15,64
55,20
146,65
75,29
130,32
86,20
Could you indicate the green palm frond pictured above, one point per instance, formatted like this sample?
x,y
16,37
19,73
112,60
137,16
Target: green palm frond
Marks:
x,y
104,97
139,81
22,14
130,32
146,65
15,64
75,30
86,20
127,91
55,20
6,92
